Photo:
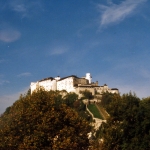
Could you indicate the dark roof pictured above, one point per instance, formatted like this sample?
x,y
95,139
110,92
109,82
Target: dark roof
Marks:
x,y
47,79
68,77
60,79
114,89
88,85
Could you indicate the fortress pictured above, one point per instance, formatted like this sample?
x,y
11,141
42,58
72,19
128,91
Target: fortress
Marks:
x,y
72,84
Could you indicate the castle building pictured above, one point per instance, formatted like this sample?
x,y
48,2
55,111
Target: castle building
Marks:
x,y
72,84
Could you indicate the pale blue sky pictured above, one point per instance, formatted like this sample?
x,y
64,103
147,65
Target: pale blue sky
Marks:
x,y
40,38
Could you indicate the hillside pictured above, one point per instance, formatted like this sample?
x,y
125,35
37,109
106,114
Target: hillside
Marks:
x,y
128,124
45,120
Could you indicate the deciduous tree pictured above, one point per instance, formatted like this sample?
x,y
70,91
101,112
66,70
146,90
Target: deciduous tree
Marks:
x,y
87,94
36,122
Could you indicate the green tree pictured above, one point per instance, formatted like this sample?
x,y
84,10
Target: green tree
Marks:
x,y
86,94
143,124
70,98
107,99
128,127
37,122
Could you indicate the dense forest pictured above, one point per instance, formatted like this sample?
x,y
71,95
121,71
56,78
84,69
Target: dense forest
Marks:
x,y
128,124
54,120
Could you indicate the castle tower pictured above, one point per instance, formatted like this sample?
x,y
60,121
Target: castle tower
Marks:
x,y
57,78
89,77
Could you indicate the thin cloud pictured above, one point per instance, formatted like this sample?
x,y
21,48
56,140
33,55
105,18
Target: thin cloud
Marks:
x,y
115,13
25,74
9,35
4,82
26,8
19,8
59,51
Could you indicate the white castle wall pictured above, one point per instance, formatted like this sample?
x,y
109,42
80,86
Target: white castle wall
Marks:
x,y
66,84
33,86
114,91
48,84
72,84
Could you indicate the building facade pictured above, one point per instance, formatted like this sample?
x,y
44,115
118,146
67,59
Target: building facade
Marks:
x,y
72,84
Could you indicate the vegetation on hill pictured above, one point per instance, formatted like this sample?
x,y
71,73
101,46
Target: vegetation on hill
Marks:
x,y
57,120
93,109
128,126
87,94
44,120
102,110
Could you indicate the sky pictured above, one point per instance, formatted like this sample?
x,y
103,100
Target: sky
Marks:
x,y
49,38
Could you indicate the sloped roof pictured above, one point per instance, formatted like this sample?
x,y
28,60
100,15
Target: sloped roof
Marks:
x,y
114,89
68,77
46,79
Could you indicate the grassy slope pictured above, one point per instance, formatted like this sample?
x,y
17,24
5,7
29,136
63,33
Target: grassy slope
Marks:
x,y
93,109
103,111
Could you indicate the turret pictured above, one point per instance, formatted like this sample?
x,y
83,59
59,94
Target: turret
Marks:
x,y
57,78
89,77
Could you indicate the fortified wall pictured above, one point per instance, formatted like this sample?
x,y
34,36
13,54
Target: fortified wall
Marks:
x,y
72,84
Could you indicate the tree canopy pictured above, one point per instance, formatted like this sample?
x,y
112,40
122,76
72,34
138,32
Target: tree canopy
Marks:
x,y
56,120
87,94
128,127
38,121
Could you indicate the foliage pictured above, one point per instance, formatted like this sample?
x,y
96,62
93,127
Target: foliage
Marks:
x,y
93,109
102,111
86,94
80,107
37,121
28,92
70,98
106,99
128,126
